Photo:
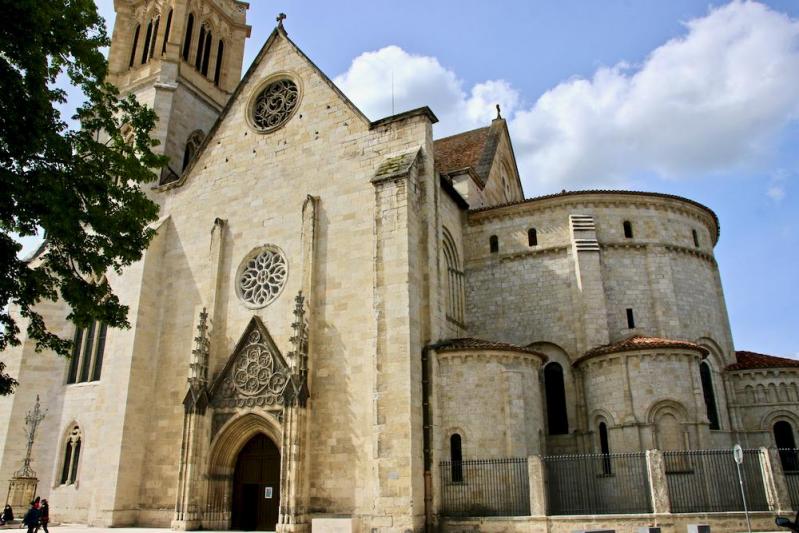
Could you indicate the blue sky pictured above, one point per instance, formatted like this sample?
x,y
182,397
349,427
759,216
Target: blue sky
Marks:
x,y
677,96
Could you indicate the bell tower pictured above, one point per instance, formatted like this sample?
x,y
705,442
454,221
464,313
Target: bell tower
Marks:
x,y
183,58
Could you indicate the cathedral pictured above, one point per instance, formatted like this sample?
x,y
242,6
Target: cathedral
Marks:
x,y
337,315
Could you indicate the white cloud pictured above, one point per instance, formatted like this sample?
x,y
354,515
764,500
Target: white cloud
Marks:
x,y
419,81
713,100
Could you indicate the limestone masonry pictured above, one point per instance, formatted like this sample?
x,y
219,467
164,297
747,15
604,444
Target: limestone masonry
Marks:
x,y
334,307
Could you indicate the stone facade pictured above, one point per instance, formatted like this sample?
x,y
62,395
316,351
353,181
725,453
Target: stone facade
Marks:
x,y
378,342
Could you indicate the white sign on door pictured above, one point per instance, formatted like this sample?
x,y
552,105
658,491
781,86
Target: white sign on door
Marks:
x,y
268,492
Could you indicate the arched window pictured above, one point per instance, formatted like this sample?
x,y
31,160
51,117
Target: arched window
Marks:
x,y
135,44
710,395
783,438
220,52
88,347
628,229
455,280
198,59
493,244
604,446
187,38
557,419
532,237
456,458
166,31
155,36
192,146
146,53
69,467
207,53
695,235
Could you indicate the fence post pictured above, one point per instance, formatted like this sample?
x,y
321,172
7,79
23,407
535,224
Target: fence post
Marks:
x,y
538,487
774,479
658,487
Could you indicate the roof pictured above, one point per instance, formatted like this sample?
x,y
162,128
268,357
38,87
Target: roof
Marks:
x,y
395,166
471,343
471,151
640,342
566,194
752,360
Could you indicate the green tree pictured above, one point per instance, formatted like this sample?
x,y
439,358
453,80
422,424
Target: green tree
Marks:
x,y
83,187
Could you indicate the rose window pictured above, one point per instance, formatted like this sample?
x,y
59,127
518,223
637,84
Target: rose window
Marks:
x,y
274,105
261,277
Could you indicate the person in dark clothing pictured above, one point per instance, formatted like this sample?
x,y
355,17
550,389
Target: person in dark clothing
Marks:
x,y
8,515
31,519
44,516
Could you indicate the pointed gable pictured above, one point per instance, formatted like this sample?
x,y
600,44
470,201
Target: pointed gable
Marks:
x,y
242,91
482,154
255,375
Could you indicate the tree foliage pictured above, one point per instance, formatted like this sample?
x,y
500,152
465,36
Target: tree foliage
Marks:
x,y
82,186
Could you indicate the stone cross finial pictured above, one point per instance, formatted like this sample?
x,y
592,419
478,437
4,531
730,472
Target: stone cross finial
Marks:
x,y
32,421
280,18
498,113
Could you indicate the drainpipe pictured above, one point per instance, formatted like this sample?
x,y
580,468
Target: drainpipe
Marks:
x,y
427,430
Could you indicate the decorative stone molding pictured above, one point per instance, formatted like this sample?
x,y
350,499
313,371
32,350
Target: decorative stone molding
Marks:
x,y
256,374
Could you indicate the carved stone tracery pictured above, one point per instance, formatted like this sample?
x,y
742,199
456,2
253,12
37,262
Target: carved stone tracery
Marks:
x,y
275,104
256,376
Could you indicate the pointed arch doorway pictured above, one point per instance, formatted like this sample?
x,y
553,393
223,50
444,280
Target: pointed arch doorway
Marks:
x,y
256,486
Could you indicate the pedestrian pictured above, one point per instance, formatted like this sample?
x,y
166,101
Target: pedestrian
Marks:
x,y
31,519
44,517
7,516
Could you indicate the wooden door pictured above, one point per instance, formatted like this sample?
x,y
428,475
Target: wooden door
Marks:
x,y
256,486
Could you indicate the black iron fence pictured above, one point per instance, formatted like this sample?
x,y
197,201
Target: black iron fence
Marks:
x,y
597,484
707,481
485,487
789,457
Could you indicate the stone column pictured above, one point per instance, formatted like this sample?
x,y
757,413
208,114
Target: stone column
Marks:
x,y
658,488
777,494
538,487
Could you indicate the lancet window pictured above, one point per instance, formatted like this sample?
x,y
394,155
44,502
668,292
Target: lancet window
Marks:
x,y
187,37
135,44
710,395
69,467
88,347
455,281
166,31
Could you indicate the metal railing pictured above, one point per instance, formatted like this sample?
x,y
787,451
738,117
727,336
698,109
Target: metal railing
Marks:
x,y
485,487
703,481
597,484
789,457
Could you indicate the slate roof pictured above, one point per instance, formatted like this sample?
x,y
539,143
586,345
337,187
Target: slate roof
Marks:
x,y
471,343
640,342
752,360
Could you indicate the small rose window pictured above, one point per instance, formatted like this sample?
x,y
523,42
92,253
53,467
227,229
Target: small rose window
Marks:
x,y
261,277
275,104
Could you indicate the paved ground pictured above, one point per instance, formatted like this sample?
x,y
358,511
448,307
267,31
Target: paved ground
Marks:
x,y
72,528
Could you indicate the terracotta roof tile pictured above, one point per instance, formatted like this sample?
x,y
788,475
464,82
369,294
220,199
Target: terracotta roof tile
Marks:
x,y
752,360
470,343
461,151
640,342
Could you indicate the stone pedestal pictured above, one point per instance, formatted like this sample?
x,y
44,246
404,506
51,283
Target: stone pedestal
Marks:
x,y
21,492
